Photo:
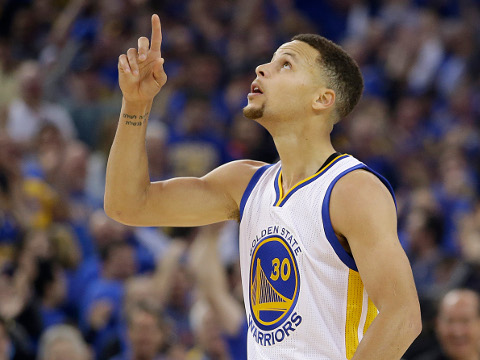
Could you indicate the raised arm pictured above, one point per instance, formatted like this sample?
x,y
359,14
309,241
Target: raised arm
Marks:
x,y
130,197
211,279
368,220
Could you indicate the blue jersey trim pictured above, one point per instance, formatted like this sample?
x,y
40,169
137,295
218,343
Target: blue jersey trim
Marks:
x,y
385,182
277,187
250,186
346,258
320,173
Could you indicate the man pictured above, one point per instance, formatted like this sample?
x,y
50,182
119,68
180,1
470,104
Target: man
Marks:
x,y
220,326
145,334
30,111
317,260
63,342
457,327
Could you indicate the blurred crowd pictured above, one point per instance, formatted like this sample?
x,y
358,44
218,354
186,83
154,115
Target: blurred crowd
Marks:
x,y
72,281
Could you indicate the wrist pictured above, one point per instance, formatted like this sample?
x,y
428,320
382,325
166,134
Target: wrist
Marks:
x,y
135,105
135,113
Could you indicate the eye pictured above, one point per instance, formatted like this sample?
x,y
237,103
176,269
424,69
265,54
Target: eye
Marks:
x,y
287,65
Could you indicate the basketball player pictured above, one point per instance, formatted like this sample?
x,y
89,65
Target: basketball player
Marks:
x,y
323,273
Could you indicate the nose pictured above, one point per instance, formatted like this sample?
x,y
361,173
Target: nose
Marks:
x,y
458,330
261,70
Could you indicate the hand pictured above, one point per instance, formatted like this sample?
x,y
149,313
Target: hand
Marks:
x,y
204,252
100,314
140,73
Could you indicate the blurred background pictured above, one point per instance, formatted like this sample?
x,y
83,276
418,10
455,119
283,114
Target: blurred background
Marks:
x,y
74,282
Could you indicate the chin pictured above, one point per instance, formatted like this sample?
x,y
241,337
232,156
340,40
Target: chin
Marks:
x,y
252,112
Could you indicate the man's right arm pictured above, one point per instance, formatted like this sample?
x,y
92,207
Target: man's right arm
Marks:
x,y
179,201
130,197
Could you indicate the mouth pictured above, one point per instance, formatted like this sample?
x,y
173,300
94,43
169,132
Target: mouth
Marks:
x,y
459,342
255,89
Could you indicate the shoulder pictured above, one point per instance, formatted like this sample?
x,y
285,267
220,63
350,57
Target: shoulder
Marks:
x,y
239,169
360,198
234,176
361,185
245,165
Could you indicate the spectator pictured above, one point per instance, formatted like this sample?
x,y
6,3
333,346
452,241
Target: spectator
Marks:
x,y
63,342
156,139
457,327
145,334
30,111
50,287
14,214
194,148
152,291
100,311
13,342
217,316
173,285
9,91
424,230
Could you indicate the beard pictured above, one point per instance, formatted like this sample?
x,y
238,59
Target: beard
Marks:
x,y
253,113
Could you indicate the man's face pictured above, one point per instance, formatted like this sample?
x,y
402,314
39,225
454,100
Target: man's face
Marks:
x,y
286,86
145,334
122,263
458,325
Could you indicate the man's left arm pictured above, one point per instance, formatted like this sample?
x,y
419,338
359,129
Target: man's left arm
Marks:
x,y
363,211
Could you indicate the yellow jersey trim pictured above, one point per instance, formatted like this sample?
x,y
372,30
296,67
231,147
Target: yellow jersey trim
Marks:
x,y
372,313
282,196
354,312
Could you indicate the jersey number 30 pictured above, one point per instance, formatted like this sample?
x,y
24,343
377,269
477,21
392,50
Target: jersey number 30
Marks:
x,y
282,270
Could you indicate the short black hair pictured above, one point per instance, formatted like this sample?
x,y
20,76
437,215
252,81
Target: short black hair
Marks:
x,y
342,72
107,250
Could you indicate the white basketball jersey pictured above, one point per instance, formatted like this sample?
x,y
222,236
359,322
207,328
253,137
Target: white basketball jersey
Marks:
x,y
303,295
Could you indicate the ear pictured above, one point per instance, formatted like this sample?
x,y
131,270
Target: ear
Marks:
x,y
325,99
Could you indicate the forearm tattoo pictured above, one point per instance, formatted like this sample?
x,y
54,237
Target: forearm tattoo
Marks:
x,y
132,119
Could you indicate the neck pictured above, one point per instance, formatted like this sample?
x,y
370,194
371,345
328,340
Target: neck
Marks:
x,y
303,151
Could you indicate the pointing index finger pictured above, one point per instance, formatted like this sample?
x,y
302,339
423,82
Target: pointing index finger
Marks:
x,y
156,33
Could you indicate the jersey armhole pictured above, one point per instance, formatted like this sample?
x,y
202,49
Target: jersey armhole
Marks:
x,y
344,256
251,185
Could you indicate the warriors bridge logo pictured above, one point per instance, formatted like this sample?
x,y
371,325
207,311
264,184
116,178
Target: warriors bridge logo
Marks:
x,y
274,287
